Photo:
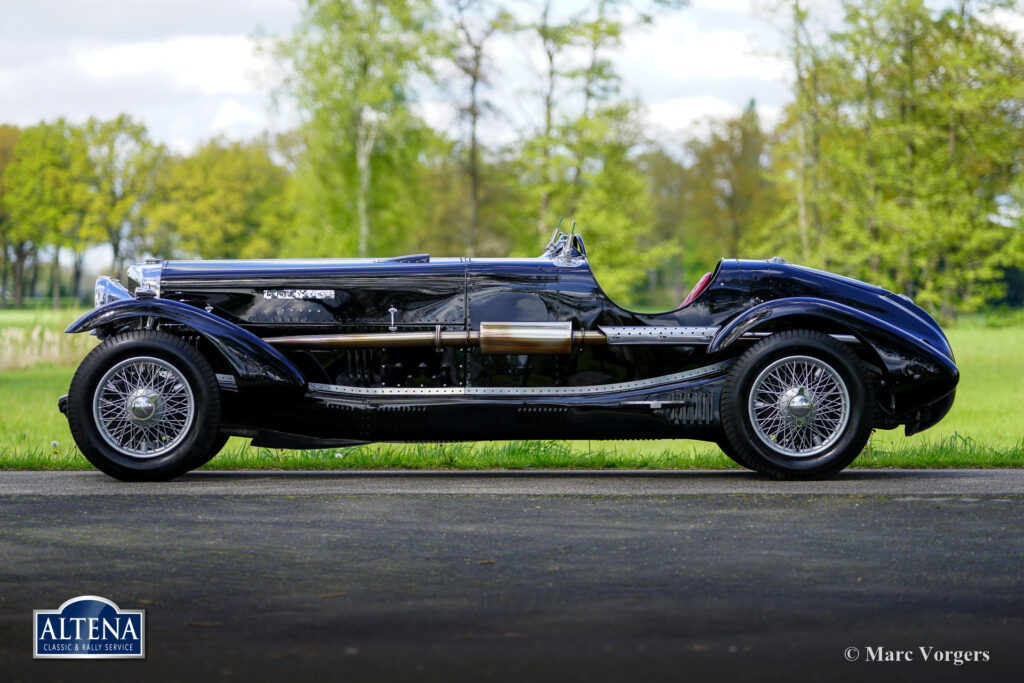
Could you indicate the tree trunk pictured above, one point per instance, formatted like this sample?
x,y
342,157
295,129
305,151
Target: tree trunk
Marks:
x,y
677,277
55,278
549,105
21,253
474,168
801,140
116,265
874,251
366,135
361,215
76,274
3,274
801,192
35,273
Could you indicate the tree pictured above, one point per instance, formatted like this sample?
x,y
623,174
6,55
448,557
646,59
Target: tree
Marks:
x,y
731,197
350,64
555,36
615,209
475,23
571,90
36,195
581,157
917,115
226,200
8,142
121,163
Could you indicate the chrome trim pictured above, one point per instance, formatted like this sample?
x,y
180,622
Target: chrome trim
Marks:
x,y
525,338
658,335
364,340
143,407
146,275
799,406
108,289
321,294
844,338
493,338
227,382
523,391
654,405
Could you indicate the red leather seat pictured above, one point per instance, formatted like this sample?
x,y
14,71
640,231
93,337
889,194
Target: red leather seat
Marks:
x,y
701,285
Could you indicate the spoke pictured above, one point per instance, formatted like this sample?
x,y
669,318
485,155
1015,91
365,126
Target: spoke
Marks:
x,y
827,401
153,434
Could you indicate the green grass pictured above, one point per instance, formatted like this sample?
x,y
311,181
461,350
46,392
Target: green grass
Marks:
x,y
984,429
33,336
54,319
989,406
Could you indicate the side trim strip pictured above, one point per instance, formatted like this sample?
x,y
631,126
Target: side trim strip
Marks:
x,y
523,391
658,335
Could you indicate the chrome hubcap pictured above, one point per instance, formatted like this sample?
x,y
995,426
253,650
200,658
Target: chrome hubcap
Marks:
x,y
799,406
143,407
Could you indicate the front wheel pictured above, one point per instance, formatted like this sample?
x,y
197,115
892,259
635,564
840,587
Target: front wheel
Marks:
x,y
145,406
798,405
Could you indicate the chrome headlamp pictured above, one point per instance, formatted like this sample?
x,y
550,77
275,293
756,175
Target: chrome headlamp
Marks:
x,y
146,276
107,290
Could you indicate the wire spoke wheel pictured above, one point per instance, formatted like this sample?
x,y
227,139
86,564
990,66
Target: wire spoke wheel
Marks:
x,y
143,407
799,406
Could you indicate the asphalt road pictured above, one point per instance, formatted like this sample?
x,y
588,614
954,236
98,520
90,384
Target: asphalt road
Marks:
x,y
565,576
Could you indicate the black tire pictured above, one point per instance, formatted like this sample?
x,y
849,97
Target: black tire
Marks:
x,y
730,452
216,448
197,407
776,437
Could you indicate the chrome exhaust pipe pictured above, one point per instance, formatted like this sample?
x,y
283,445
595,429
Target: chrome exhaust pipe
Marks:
x,y
493,338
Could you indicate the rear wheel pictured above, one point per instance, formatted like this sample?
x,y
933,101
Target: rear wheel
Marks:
x,y
798,405
145,406
730,452
216,448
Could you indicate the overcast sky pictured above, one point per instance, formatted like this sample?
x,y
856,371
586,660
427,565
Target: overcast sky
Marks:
x,y
190,69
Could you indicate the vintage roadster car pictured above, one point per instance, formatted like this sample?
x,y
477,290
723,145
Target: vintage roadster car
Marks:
x,y
786,368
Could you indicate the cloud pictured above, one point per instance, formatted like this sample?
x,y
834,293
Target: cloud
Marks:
x,y
683,112
234,115
190,69
681,51
122,21
211,65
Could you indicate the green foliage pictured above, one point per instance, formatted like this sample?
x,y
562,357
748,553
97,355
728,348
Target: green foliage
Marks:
x,y
614,209
898,161
903,144
226,200
351,62
35,183
42,198
8,141
121,164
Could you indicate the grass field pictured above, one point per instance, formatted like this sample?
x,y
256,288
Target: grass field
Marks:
x,y
31,337
984,429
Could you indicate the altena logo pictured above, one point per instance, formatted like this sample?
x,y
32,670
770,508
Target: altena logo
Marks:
x,y
89,627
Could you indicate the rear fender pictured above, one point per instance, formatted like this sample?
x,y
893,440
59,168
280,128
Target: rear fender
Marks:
x,y
915,371
255,363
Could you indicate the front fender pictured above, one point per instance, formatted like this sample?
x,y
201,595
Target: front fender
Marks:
x,y
918,372
254,363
